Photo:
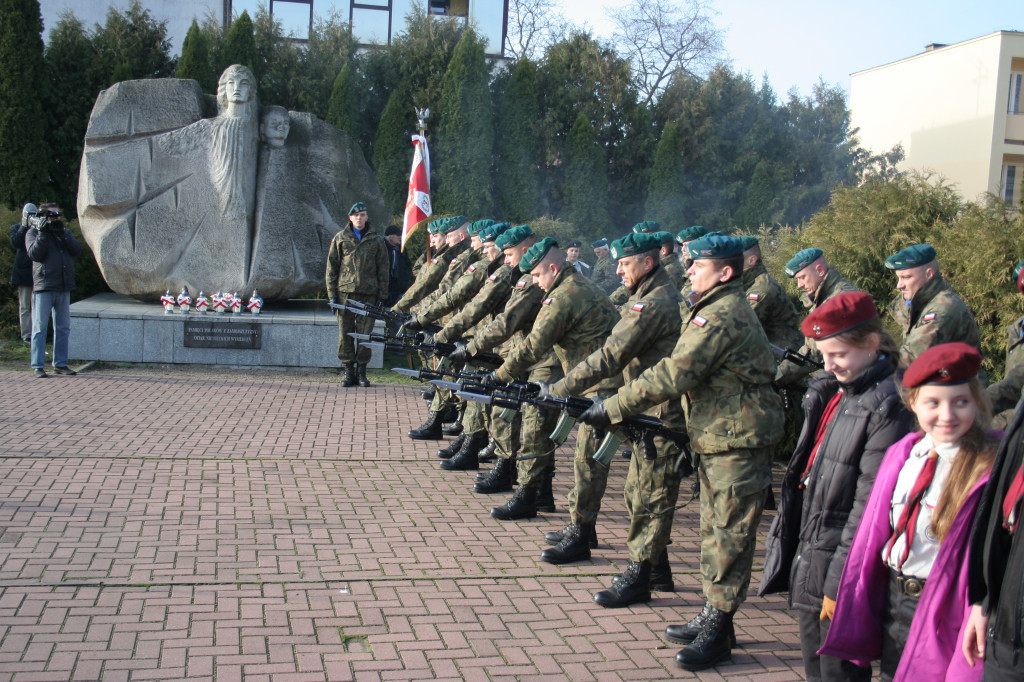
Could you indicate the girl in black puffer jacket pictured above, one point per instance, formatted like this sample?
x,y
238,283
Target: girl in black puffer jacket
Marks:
x,y
852,414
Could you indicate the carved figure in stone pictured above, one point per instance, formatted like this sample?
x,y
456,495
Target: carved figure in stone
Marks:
x,y
247,198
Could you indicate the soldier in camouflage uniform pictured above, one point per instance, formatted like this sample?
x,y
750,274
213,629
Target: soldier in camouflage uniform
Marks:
x,y
621,294
670,261
647,332
510,330
1006,393
818,281
927,309
721,367
357,269
774,308
683,238
431,272
604,269
459,255
574,320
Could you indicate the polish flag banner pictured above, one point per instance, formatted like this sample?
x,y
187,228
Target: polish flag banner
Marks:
x,y
417,205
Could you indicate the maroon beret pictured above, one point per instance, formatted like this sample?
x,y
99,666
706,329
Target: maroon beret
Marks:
x,y
839,314
947,363
1020,281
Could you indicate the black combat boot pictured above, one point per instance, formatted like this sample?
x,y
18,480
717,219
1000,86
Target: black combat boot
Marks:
x,y
350,375
661,576
522,505
498,479
545,497
554,537
465,459
575,545
488,454
449,414
449,452
452,429
361,375
428,393
712,646
632,587
431,429
686,633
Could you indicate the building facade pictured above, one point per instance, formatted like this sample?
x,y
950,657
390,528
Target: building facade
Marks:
x,y
958,111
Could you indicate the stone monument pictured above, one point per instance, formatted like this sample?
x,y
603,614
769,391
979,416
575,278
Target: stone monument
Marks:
x,y
176,191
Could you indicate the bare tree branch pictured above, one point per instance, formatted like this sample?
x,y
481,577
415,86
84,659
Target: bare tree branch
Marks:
x,y
533,25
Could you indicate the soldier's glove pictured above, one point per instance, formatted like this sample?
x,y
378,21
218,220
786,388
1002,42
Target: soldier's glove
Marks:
x,y
491,379
596,416
459,355
543,389
425,338
413,326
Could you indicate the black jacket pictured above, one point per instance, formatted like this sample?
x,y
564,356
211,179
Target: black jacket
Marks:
x,y
21,273
52,252
996,562
399,275
810,537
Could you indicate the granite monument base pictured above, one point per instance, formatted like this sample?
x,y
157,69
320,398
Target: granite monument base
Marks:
x,y
119,328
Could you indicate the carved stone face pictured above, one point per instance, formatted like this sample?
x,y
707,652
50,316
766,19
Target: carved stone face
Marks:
x,y
275,126
238,89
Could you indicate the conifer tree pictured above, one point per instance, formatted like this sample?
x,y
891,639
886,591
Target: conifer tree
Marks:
x,y
240,44
341,110
195,59
665,194
465,138
24,161
517,187
585,192
392,150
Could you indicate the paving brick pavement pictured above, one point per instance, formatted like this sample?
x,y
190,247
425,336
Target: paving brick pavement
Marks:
x,y
166,524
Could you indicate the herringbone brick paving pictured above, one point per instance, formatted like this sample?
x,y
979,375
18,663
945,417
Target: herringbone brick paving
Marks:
x,y
162,524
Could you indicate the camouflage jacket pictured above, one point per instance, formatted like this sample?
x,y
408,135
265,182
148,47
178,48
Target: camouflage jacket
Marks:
x,y
426,281
775,310
675,270
619,296
647,332
574,320
604,275
1005,394
935,315
488,302
357,266
459,257
721,367
833,284
463,289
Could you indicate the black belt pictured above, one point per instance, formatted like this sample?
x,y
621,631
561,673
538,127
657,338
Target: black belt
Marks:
x,y
910,586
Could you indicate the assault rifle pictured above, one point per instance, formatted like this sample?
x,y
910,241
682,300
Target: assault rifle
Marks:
x,y
803,359
417,342
379,312
639,428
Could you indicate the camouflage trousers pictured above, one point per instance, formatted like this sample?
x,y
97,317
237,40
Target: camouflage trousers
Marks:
x,y
732,493
590,477
349,323
651,491
538,457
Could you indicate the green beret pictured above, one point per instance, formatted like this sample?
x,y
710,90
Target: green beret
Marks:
x,y
802,259
665,237
715,246
536,253
749,242
357,208
513,236
599,243
453,223
647,227
1017,269
477,225
634,243
491,232
911,257
691,233
434,226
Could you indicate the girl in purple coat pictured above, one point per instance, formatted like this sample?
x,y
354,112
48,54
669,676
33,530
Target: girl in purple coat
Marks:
x,y
903,594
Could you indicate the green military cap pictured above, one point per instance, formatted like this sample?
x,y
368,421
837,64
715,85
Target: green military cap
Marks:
x,y
665,237
599,243
1017,269
647,227
691,233
634,243
802,259
477,225
454,223
715,246
911,257
749,242
357,207
536,253
513,236
491,232
434,226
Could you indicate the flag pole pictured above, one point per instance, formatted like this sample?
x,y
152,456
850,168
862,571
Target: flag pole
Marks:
x,y
417,204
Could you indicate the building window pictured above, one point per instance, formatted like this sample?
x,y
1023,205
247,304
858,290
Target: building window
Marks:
x,y
1013,174
1014,104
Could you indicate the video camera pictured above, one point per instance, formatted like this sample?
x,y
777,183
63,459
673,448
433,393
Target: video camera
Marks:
x,y
41,220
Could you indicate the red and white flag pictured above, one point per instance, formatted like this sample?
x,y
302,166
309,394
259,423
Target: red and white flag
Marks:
x,y
417,205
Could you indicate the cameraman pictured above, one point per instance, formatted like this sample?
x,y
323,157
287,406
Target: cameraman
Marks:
x,y
51,246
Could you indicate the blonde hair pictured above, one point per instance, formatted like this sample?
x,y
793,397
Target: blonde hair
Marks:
x,y
859,335
977,452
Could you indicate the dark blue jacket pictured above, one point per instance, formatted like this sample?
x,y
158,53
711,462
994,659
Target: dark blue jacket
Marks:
x,y
21,273
52,252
